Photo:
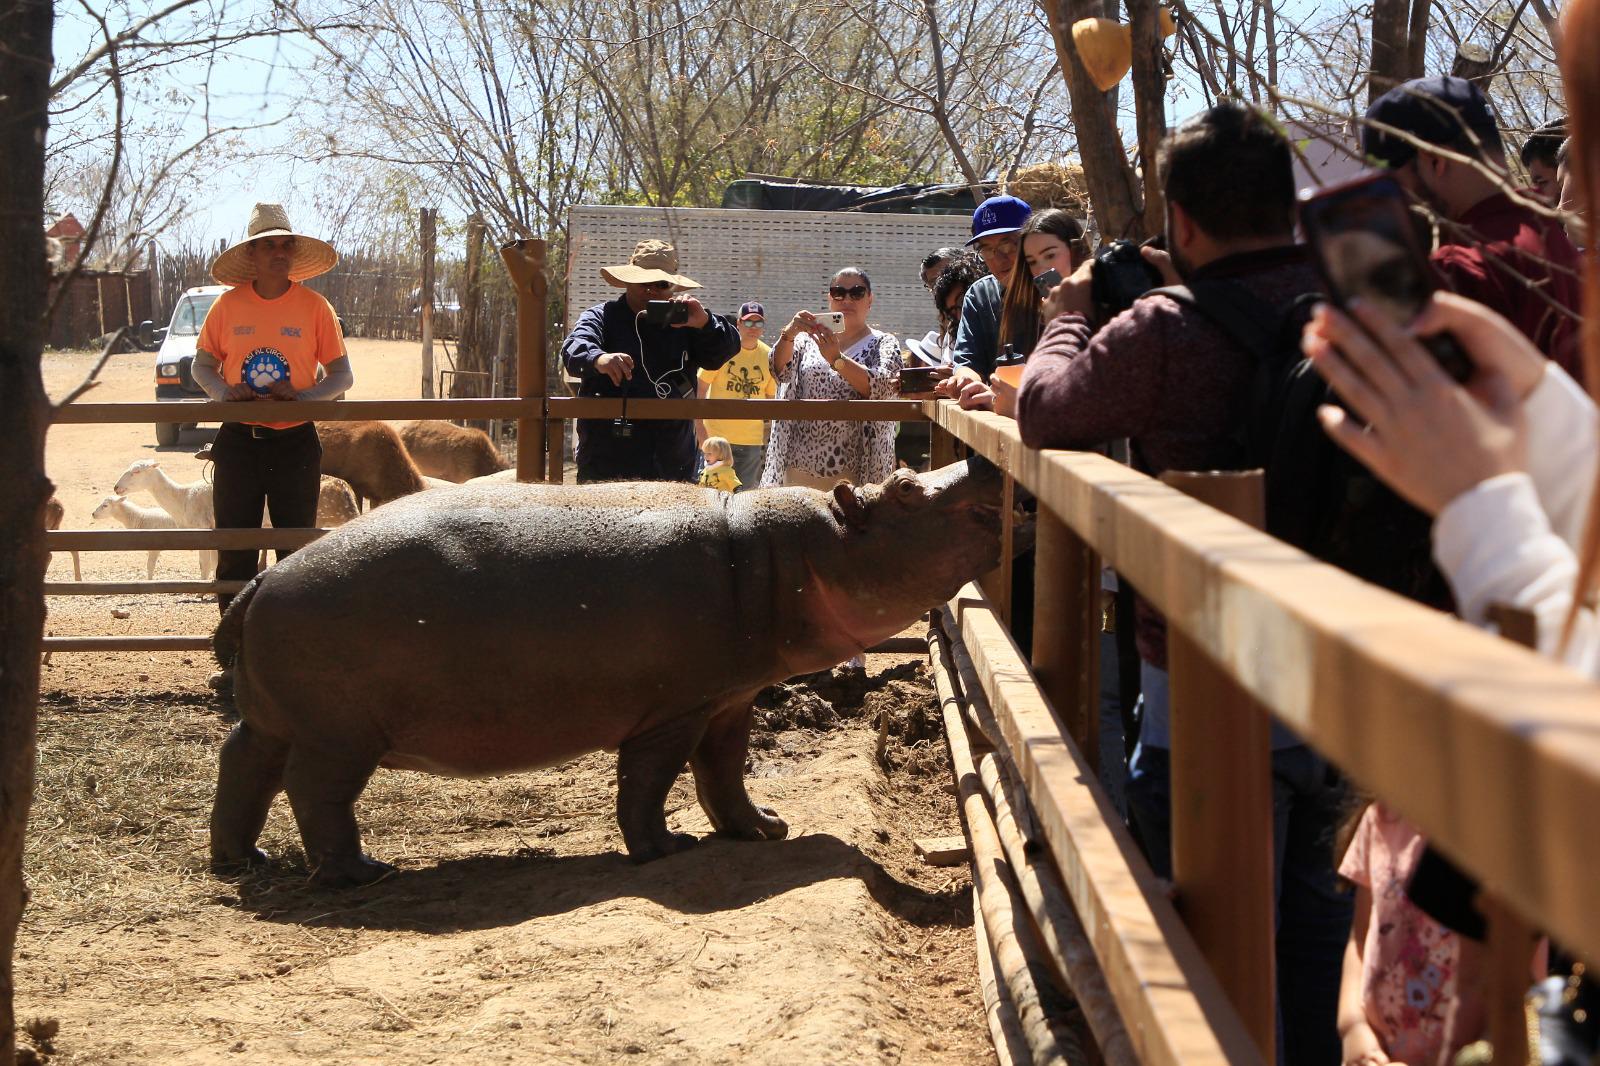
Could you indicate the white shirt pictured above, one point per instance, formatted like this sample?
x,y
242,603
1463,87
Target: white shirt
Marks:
x,y
1513,539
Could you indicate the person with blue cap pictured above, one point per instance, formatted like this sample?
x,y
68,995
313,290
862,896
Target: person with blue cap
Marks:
x,y
995,225
1492,248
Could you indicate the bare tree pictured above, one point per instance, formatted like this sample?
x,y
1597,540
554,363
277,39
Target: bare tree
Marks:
x,y
25,28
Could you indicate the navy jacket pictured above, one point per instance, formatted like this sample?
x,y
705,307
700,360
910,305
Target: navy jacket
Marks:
x,y
671,355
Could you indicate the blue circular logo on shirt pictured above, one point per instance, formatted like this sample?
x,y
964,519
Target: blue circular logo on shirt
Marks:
x,y
263,367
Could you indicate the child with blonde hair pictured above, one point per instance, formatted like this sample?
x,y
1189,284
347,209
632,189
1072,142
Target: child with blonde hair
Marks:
x,y
718,473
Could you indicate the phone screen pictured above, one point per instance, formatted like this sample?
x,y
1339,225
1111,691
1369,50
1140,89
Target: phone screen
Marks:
x,y
1366,247
1365,244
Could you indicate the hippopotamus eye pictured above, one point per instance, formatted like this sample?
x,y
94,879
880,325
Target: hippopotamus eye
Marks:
x,y
906,486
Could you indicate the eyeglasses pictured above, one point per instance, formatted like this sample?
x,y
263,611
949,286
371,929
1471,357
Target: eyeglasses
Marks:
x,y
659,286
753,323
854,292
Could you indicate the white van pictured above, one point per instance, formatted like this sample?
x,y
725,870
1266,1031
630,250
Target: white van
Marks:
x,y
175,359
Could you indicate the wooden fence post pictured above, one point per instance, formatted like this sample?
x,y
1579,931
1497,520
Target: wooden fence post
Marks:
x,y
1066,629
525,262
425,298
1222,799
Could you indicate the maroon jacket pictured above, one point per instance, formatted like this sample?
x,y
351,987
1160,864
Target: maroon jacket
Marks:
x,y
1162,375
1518,263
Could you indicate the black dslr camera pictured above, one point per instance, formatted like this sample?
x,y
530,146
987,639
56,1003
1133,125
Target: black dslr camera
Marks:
x,y
1119,276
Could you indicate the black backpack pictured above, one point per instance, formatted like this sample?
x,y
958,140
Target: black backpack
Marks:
x,y
1318,498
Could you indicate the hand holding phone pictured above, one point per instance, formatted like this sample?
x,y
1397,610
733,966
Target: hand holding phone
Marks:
x,y
1366,247
834,320
1047,281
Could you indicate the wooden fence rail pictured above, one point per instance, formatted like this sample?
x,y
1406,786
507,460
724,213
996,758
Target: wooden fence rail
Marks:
x,y
1493,751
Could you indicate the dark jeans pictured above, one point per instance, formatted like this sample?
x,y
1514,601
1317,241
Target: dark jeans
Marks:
x,y
1313,914
279,468
641,451
747,462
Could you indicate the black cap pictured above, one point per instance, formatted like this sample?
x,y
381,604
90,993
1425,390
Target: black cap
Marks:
x,y
1449,112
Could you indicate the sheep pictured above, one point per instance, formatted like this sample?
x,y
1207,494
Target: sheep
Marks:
x,y
372,458
135,517
450,452
54,513
189,504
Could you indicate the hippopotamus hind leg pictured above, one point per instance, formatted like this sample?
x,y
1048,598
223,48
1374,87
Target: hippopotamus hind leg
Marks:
x,y
249,775
322,790
647,765
719,778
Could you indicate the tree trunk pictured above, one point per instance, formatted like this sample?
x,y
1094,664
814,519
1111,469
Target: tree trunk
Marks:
x,y
429,223
1399,36
472,350
1113,192
25,26
1149,93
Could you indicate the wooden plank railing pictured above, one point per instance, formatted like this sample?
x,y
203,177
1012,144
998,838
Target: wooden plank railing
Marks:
x,y
1493,751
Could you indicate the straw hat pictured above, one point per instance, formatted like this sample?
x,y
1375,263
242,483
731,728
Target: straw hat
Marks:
x,y
650,261
311,256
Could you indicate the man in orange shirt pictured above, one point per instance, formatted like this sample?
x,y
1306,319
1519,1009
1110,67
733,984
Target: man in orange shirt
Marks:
x,y
264,340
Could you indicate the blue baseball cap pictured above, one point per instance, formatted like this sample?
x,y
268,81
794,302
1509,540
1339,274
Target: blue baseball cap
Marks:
x,y
998,214
1446,111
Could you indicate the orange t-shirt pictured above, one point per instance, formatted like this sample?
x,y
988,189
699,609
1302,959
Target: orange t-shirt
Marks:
x,y
260,341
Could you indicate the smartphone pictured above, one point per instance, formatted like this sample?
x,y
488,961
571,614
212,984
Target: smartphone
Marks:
x,y
1366,246
1047,281
918,380
666,312
834,320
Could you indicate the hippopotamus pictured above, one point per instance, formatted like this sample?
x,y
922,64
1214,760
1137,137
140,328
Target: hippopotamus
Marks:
x,y
495,628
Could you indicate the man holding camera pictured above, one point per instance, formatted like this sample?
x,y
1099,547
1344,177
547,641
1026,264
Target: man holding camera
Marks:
x,y
1165,375
646,344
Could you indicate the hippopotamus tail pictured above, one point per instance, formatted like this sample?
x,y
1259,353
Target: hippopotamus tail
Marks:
x,y
228,640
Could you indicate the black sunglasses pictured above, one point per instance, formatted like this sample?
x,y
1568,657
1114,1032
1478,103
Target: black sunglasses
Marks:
x,y
659,286
854,292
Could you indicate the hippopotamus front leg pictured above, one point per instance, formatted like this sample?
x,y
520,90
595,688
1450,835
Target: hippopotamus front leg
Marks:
x,y
249,775
647,765
322,790
719,778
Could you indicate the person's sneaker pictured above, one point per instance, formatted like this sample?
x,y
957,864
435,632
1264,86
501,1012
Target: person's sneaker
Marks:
x,y
222,681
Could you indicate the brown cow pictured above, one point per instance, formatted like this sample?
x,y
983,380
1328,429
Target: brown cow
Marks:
x,y
371,457
450,452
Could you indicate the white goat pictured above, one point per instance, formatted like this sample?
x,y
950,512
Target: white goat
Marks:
x,y
188,504
135,517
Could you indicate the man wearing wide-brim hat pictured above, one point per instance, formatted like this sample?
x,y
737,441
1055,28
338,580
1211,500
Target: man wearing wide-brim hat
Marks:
x,y
263,341
635,347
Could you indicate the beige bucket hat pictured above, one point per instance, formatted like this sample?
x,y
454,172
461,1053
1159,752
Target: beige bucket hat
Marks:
x,y
650,261
311,256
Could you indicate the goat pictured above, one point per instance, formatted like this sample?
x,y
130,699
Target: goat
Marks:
x,y
372,458
189,504
452,453
54,513
135,517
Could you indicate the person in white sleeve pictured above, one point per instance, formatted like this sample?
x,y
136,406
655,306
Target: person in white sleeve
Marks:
x,y
1506,464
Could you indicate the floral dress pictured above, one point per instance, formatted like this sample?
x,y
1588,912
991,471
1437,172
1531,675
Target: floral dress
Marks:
x,y
860,452
1408,963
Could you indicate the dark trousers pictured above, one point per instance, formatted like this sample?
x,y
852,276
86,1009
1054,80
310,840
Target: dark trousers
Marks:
x,y
639,451
254,466
1313,912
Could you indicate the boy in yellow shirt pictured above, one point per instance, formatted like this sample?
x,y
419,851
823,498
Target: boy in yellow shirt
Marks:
x,y
747,376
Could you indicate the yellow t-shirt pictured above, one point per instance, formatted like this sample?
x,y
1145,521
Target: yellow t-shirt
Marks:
x,y
720,477
260,341
747,376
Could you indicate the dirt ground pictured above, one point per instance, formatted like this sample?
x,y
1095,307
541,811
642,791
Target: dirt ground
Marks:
x,y
515,931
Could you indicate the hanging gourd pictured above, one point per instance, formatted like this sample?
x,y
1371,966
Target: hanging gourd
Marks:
x,y
1106,47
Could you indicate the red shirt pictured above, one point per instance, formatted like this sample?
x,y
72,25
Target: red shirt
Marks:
x,y
1522,265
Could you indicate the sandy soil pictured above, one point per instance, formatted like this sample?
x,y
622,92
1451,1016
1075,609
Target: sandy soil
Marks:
x,y
515,931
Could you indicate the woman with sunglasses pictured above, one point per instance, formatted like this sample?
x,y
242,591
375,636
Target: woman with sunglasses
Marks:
x,y
813,362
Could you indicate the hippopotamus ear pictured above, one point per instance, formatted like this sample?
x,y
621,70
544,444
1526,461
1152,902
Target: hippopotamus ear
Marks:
x,y
848,506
